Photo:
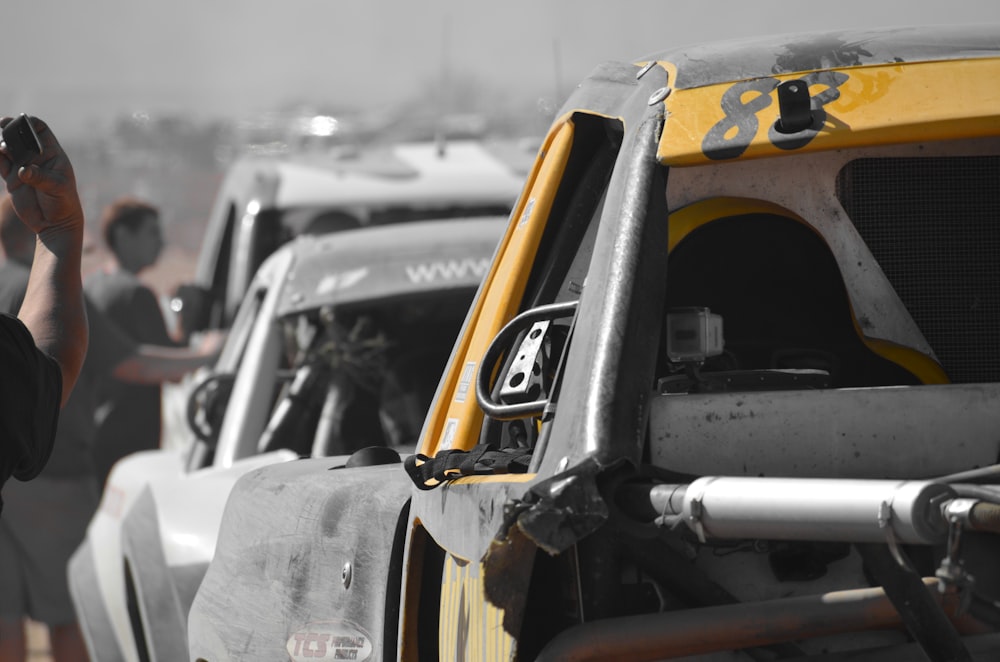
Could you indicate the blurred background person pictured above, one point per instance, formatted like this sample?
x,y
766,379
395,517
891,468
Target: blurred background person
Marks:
x,y
129,416
44,351
45,520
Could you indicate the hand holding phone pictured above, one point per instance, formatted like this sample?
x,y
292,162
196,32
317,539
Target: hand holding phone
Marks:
x,y
42,188
21,140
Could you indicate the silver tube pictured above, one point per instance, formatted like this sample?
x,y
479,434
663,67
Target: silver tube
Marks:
x,y
844,510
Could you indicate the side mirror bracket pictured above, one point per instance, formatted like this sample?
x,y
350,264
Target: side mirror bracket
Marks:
x,y
192,304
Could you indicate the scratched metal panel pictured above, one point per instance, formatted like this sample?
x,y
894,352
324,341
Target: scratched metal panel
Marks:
x,y
304,566
889,432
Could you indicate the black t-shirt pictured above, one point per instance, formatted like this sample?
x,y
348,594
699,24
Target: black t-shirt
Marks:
x,y
74,451
13,285
30,393
73,454
128,415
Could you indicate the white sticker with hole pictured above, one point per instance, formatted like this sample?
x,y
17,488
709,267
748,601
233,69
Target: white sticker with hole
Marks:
x,y
465,381
526,216
448,436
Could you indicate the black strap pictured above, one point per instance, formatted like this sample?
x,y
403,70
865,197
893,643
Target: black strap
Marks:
x,y
485,459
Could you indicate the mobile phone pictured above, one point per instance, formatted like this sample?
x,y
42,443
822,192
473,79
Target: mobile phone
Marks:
x,y
22,141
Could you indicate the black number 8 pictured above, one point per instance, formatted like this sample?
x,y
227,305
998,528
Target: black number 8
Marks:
x,y
742,116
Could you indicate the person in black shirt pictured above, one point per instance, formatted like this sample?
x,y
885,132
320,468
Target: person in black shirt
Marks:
x,y
43,348
46,519
128,416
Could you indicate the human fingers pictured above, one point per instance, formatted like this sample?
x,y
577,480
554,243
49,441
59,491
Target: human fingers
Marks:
x,y
44,189
32,154
5,162
22,142
41,178
211,342
55,198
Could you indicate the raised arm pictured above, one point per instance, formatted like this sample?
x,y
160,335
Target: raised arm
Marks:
x,y
44,194
153,364
139,363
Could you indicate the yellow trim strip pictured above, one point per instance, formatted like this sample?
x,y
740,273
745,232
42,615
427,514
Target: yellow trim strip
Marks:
x,y
493,478
923,367
454,419
687,219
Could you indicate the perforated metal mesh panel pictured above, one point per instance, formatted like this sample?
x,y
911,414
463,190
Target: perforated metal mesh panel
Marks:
x,y
933,224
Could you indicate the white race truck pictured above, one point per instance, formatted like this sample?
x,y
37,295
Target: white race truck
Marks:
x,y
264,202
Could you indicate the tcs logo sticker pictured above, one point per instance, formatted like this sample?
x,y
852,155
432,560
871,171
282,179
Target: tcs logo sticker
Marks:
x,y
331,640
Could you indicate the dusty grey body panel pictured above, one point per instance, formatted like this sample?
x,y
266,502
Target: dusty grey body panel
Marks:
x,y
305,557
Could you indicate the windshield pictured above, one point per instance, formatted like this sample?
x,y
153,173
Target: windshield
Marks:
x,y
361,375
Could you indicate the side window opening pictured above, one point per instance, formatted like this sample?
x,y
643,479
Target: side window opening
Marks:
x,y
220,277
564,251
270,233
362,375
209,398
558,277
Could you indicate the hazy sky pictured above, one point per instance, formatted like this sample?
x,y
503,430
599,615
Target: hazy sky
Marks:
x,y
76,62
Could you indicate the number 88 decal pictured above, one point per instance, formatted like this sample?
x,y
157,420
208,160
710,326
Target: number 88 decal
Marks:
x,y
742,115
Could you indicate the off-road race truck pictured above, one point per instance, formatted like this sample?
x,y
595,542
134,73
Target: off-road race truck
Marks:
x,y
264,202
730,390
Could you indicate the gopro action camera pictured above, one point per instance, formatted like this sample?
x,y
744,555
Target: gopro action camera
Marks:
x,y
22,141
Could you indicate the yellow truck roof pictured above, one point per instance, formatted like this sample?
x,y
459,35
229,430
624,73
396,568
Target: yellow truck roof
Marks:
x,y
865,88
